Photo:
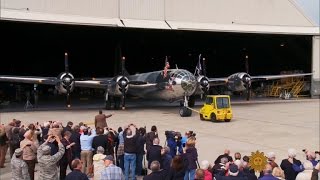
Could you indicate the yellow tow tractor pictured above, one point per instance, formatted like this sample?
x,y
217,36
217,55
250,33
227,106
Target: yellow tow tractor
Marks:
x,y
216,108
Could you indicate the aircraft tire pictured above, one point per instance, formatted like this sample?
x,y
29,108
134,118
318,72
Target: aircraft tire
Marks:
x,y
185,112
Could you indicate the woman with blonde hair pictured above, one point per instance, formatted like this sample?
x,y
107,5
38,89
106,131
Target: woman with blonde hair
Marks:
x,y
278,173
191,155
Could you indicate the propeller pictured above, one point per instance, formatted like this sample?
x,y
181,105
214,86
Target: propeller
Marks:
x,y
247,79
123,82
67,79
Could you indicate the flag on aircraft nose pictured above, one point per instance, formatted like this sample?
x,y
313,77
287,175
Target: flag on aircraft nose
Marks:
x,y
166,67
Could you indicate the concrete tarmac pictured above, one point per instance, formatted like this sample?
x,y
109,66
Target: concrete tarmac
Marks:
x,y
266,126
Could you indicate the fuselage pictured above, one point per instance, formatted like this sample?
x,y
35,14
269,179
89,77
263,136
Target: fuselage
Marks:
x,y
171,85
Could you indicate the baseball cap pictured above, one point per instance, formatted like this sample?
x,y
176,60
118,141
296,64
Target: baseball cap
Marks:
x,y
109,157
18,152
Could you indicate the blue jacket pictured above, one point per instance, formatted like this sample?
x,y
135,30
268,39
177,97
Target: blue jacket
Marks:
x,y
268,177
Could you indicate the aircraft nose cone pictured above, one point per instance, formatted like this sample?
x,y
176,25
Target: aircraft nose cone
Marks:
x,y
189,84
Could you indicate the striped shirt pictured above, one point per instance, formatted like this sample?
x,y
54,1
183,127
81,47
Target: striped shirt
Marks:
x,y
112,172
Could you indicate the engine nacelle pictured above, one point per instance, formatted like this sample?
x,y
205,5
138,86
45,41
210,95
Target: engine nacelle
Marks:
x,y
238,81
115,89
204,83
66,80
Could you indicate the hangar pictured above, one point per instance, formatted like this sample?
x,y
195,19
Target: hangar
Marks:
x,y
276,35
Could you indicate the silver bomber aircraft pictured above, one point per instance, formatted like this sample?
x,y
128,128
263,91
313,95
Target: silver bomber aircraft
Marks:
x,y
168,84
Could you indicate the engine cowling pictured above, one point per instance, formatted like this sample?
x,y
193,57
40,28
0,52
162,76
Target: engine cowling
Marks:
x,y
239,81
66,81
204,83
119,84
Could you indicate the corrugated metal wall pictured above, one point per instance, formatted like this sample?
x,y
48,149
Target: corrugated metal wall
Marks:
x,y
262,12
92,8
142,9
237,12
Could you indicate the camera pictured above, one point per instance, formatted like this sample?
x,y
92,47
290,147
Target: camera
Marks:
x,y
173,135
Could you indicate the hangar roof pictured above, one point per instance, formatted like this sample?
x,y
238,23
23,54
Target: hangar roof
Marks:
x,y
248,16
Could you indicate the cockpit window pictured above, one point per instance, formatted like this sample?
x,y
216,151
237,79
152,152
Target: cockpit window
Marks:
x,y
222,102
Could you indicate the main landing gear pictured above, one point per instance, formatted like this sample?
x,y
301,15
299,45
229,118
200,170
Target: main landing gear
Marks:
x,y
184,108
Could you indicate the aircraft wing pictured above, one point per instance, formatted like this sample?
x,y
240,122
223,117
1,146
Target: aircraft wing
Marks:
x,y
280,76
218,81
29,79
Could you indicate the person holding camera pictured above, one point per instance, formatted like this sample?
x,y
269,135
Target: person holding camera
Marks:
x,y
311,156
47,163
29,154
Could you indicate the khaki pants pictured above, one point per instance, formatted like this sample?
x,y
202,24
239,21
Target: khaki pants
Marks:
x,y
86,158
3,152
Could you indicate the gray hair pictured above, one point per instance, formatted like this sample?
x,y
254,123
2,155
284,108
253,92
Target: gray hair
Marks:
x,y
100,150
292,153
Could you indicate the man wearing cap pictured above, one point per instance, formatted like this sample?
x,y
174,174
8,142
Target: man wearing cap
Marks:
x,y
48,164
111,172
18,167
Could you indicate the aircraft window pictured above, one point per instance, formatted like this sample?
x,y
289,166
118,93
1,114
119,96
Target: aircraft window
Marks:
x,y
222,102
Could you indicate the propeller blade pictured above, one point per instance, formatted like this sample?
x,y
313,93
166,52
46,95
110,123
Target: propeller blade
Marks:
x,y
247,64
123,65
123,97
66,63
204,72
68,100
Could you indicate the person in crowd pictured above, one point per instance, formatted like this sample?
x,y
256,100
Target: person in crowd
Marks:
x,y
35,131
47,162
100,140
98,163
29,153
307,172
226,154
237,156
156,172
100,120
311,156
271,159
316,172
278,173
45,129
15,141
19,168
86,149
75,138
67,157
56,129
52,143
8,130
3,145
191,155
220,169
150,136
287,164
111,138
154,152
120,149
233,173
130,150
76,173
111,171
166,158
141,141
205,165
267,173
67,128
178,168
247,171
199,174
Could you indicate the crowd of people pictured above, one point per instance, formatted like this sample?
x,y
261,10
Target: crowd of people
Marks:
x,y
130,152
